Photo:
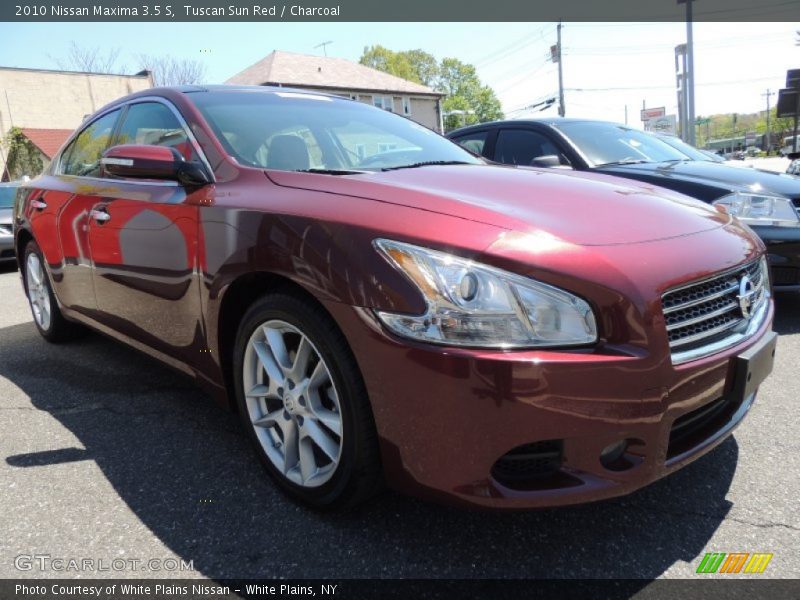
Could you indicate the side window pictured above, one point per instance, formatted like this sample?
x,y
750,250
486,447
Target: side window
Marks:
x,y
153,123
521,146
474,142
82,158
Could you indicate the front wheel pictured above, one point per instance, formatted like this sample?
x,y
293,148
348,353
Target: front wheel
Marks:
x,y
303,403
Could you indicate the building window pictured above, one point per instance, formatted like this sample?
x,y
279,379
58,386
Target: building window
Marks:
x,y
384,102
406,105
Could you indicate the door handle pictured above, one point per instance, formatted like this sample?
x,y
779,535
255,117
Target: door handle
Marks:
x,y
38,204
100,215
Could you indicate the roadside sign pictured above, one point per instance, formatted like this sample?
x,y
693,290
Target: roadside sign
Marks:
x,y
667,124
793,78
653,113
750,138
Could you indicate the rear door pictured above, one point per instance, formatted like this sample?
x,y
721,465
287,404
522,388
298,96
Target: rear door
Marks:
x,y
143,240
59,206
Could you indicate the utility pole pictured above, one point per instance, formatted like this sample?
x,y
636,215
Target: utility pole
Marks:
x,y
690,75
768,93
626,114
561,110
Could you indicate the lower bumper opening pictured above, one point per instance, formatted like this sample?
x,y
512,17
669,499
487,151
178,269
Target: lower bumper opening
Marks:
x,y
534,466
691,429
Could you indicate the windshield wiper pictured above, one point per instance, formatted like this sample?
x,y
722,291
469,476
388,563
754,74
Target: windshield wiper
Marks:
x,y
332,171
427,163
627,161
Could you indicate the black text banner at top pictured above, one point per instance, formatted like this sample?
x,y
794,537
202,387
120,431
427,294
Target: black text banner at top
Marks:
x,y
405,11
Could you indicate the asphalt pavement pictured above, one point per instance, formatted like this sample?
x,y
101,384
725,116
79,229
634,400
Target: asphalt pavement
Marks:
x,y
109,456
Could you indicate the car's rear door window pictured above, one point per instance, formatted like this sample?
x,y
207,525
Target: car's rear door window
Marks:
x,y
82,157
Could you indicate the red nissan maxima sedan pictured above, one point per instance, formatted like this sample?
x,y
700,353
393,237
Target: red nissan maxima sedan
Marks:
x,y
381,306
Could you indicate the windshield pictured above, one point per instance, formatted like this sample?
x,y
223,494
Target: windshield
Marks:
x,y
295,131
608,144
687,149
7,193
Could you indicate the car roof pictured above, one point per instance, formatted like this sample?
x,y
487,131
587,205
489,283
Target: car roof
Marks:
x,y
549,121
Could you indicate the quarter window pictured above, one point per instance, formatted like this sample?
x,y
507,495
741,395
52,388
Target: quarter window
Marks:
x,y
154,124
82,157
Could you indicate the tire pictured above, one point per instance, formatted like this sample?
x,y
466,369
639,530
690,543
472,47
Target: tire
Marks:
x,y
306,412
44,307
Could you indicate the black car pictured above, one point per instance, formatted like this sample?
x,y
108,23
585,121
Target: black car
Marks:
x,y
768,202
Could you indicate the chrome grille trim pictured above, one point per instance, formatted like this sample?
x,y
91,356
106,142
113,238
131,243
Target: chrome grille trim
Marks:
x,y
709,309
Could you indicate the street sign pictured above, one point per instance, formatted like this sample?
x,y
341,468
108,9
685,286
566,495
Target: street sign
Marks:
x,y
787,103
653,113
750,138
793,78
667,124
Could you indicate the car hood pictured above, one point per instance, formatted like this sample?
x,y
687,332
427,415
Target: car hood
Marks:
x,y
580,208
727,178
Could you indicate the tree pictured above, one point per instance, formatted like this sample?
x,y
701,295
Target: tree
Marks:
x,y
388,61
468,100
90,60
168,70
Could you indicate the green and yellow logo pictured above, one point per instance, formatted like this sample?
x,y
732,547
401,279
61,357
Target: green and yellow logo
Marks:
x,y
734,562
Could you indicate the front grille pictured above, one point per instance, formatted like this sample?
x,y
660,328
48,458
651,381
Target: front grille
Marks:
x,y
702,315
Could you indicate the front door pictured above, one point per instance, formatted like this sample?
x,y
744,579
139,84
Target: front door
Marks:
x,y
143,240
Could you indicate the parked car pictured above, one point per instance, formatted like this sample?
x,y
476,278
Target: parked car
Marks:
x,y
765,200
794,167
380,305
7,192
689,150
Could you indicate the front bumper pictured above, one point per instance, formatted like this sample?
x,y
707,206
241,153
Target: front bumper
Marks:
x,y
445,416
783,252
6,247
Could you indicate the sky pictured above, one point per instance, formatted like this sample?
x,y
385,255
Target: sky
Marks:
x,y
607,66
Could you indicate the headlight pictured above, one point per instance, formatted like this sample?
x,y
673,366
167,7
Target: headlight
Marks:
x,y
471,304
760,209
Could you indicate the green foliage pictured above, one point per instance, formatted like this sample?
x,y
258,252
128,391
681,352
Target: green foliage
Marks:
x,y
715,127
468,100
22,157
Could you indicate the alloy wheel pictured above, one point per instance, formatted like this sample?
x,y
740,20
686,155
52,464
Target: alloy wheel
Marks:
x,y
38,291
292,403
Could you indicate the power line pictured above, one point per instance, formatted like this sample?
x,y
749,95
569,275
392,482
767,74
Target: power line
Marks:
x,y
669,87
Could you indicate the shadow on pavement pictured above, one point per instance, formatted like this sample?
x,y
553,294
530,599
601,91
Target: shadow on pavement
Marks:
x,y
183,467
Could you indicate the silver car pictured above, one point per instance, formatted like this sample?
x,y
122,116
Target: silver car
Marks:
x,y
7,192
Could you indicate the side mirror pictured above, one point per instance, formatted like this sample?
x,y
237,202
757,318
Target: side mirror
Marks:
x,y
153,162
547,161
